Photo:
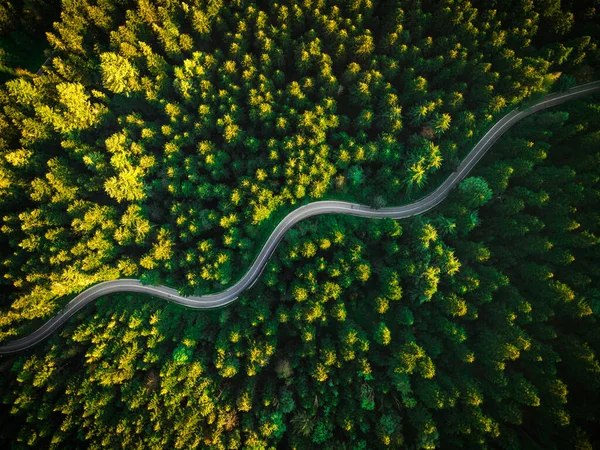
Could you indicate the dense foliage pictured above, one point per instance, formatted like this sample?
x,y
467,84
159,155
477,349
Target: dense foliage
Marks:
x,y
476,325
162,138
165,140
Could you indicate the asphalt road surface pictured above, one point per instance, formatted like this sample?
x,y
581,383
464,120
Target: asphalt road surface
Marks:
x,y
229,295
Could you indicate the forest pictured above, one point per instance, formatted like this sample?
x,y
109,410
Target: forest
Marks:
x,y
164,140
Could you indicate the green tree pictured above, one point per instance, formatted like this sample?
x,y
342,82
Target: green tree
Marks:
x,y
475,192
118,74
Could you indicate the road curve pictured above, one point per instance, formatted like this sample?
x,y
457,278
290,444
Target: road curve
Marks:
x,y
230,294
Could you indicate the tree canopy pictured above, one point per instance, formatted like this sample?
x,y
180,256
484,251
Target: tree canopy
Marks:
x,y
164,141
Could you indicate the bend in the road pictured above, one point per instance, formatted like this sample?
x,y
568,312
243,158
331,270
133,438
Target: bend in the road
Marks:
x,y
230,294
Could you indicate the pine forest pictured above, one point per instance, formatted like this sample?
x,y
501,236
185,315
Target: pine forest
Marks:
x,y
164,140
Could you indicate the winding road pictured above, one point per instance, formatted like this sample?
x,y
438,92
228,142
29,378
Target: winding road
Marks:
x,y
230,294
